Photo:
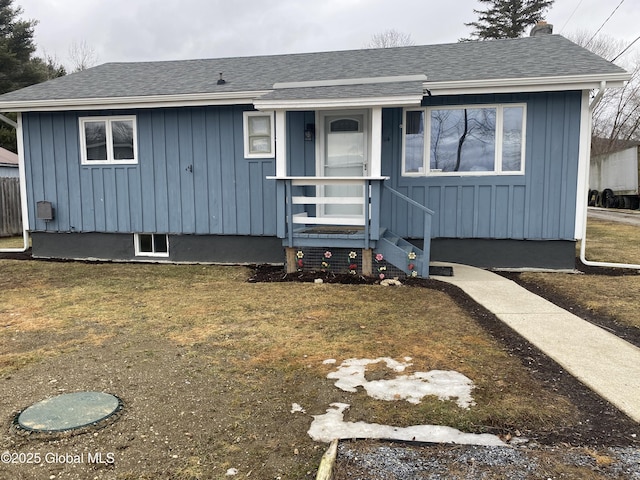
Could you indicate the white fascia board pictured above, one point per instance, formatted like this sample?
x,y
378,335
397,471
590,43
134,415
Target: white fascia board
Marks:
x,y
351,81
514,85
333,103
152,101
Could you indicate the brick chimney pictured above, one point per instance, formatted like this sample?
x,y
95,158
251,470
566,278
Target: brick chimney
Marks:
x,y
541,28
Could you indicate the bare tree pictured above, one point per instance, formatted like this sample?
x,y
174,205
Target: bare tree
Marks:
x,y
390,38
617,116
604,45
82,56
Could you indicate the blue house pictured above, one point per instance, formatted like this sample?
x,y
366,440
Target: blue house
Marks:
x,y
473,152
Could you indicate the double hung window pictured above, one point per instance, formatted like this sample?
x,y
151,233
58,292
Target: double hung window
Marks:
x,y
258,135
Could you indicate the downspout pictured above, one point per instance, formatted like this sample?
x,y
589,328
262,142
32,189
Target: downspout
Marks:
x,y
23,185
583,244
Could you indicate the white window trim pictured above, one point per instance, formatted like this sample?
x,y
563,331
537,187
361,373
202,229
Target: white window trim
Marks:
x,y
140,253
245,129
110,158
498,147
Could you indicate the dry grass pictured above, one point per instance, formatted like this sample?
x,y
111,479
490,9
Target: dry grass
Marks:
x,y
263,344
612,242
11,242
283,326
615,297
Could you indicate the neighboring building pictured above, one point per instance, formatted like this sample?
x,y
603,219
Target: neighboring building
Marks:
x,y
475,151
8,164
614,174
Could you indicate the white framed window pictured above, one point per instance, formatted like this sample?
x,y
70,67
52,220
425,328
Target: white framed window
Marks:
x,y
464,140
151,244
108,140
259,140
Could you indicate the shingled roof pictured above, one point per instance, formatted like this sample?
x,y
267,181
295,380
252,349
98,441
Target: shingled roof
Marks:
x,y
498,62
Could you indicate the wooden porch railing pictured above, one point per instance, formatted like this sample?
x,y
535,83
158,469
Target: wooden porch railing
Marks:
x,y
428,213
304,203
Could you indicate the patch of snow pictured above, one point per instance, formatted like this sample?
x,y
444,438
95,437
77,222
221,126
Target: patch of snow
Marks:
x,y
331,425
329,361
412,388
295,407
231,472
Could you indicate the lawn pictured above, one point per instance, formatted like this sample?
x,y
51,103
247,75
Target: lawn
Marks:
x,y
606,293
12,242
208,366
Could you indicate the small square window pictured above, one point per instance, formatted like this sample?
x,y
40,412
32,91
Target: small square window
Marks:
x,y
258,135
108,140
151,245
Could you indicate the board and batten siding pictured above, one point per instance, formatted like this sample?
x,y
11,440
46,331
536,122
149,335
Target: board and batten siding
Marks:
x,y
539,205
191,176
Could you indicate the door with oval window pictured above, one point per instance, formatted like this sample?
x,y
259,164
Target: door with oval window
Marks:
x,y
344,155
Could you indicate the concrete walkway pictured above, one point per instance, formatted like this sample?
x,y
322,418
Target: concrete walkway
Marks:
x,y
604,362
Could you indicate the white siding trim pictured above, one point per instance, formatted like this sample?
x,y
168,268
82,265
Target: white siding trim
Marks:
x,y
376,142
537,84
338,103
152,101
584,155
281,143
23,180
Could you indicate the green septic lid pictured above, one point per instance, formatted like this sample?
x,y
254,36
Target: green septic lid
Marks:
x,y
69,411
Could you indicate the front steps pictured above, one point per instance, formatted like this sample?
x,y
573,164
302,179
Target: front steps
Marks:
x,y
395,251
403,255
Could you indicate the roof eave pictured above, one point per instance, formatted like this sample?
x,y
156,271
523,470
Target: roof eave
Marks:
x,y
515,85
151,101
332,103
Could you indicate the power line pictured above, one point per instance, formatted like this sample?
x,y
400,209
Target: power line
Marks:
x,y
604,23
627,48
571,16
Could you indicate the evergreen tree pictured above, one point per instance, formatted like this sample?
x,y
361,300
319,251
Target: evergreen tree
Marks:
x,y
18,67
507,18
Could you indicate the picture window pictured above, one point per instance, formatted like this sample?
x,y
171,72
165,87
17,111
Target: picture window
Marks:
x,y
464,140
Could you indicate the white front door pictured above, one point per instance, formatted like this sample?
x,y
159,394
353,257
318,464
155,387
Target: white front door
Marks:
x,y
344,154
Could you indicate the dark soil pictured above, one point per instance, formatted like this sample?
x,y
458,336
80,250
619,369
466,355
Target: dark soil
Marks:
x,y
628,333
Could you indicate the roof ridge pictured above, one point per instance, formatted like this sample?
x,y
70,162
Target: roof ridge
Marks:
x,y
334,52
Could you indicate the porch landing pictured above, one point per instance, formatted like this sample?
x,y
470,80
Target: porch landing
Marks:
x,y
332,236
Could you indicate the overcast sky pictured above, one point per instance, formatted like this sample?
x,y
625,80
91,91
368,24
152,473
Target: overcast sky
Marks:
x,y
145,30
